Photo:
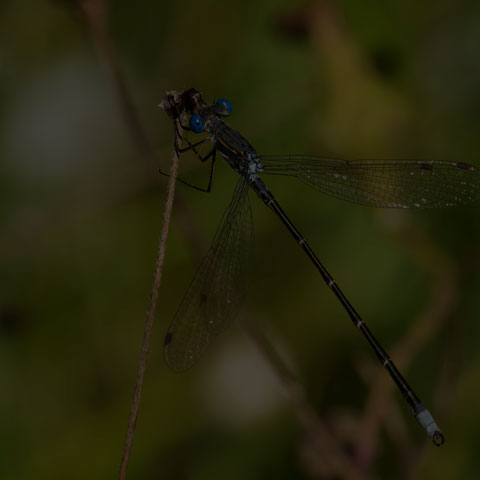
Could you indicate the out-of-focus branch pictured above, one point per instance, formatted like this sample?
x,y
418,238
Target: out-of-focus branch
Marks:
x,y
95,13
444,391
324,456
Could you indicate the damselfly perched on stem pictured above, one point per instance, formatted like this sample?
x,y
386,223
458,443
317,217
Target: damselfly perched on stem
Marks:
x,y
216,291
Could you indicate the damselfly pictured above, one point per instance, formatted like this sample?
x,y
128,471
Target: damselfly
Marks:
x,y
216,291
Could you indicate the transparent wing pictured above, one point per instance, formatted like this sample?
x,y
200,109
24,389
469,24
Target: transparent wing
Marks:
x,y
217,289
383,183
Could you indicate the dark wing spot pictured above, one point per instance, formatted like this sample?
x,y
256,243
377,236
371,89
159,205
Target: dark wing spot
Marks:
x,y
426,166
465,166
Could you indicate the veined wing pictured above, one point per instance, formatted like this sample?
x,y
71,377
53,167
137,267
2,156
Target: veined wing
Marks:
x,y
383,183
215,294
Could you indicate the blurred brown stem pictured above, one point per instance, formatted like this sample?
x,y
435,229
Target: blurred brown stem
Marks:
x,y
96,18
331,461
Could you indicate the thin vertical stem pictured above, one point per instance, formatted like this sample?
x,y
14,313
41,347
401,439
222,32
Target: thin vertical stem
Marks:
x,y
134,407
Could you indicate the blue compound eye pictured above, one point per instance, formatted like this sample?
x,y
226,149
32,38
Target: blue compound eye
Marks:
x,y
196,123
226,103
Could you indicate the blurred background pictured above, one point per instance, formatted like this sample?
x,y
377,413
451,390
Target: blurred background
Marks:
x,y
81,205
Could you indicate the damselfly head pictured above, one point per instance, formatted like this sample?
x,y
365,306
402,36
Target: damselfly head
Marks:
x,y
179,103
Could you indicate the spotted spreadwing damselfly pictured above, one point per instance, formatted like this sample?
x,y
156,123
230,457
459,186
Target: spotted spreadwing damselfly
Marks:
x,y
216,291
